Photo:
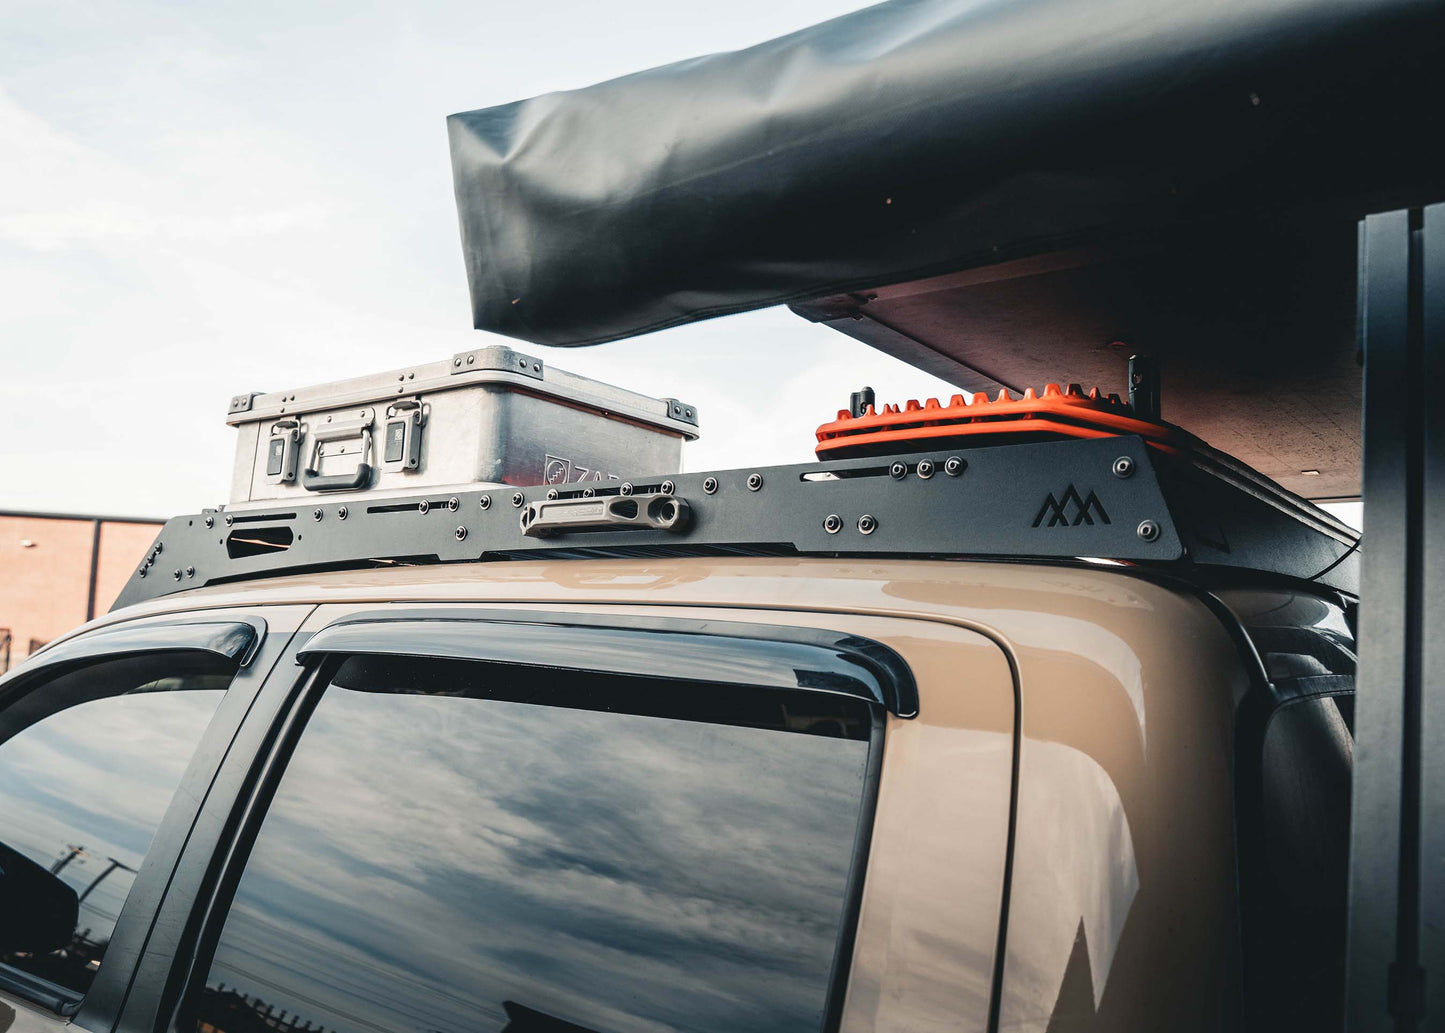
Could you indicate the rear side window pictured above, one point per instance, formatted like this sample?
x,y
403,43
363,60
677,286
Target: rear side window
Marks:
x,y
89,761
460,846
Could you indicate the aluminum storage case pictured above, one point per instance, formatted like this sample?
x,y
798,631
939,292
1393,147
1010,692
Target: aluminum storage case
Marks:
x,y
488,416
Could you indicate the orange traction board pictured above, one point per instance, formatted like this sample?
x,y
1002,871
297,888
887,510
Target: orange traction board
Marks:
x,y
1056,413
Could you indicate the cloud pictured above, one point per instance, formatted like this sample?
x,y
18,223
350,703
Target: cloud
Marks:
x,y
57,191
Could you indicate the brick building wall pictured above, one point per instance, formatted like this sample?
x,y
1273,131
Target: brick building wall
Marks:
x,y
46,565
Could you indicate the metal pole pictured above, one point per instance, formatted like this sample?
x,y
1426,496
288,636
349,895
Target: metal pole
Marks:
x,y
1397,855
94,569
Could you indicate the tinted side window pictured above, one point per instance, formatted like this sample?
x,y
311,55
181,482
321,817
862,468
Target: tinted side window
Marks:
x,y
457,846
89,762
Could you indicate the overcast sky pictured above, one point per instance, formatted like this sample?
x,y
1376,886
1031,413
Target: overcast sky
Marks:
x,y
203,199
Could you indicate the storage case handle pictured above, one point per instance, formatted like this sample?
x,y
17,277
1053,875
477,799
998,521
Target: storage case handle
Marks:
x,y
313,480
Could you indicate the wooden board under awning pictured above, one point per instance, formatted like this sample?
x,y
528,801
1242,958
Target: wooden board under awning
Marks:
x,y
1253,327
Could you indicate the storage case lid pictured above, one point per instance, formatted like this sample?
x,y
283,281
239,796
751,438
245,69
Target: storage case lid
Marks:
x,y
496,364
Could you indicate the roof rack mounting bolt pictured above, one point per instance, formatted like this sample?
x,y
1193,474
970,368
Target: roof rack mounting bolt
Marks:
x,y
867,524
485,502
210,523
709,486
316,514
551,495
1148,530
423,507
898,471
626,488
454,503
342,512
461,533
925,468
190,572
833,523
176,575
668,487
953,466
517,499
1124,467
230,520
755,481
588,493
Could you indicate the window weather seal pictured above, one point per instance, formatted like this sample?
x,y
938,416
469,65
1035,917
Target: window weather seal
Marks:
x,y
723,652
235,639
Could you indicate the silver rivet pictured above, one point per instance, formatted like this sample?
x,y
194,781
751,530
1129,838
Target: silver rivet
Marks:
x,y
925,468
898,471
833,523
190,572
689,413
461,533
485,501
230,520
867,524
1123,466
423,506
175,575
471,359
953,466
456,362
709,486
316,514
141,572
454,503
522,363
157,550
342,512
551,494
210,522
537,367
1148,530
668,487
517,499
755,481
626,488
588,493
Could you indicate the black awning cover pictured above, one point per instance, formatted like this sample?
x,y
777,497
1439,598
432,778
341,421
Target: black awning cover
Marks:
x,y
919,137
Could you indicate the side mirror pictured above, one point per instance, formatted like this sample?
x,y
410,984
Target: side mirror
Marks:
x,y
38,911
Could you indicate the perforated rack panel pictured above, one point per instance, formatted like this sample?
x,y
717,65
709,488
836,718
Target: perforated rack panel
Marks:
x,y
1099,498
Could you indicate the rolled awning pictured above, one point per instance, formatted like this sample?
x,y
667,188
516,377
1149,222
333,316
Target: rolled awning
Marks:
x,y
923,137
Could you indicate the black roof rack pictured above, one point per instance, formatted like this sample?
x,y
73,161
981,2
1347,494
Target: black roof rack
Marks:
x,y
1112,498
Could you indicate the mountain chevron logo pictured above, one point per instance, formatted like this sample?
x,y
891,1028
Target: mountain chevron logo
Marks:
x,y
1082,508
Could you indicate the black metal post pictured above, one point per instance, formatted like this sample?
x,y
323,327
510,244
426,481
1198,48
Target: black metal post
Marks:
x,y
1397,862
94,569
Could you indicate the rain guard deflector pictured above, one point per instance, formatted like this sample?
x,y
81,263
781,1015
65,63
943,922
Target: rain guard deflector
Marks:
x,y
924,136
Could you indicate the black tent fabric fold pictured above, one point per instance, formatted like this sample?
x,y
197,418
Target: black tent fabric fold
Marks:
x,y
920,137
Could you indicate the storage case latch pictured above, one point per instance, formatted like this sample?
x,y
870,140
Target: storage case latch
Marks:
x,y
401,441
283,452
